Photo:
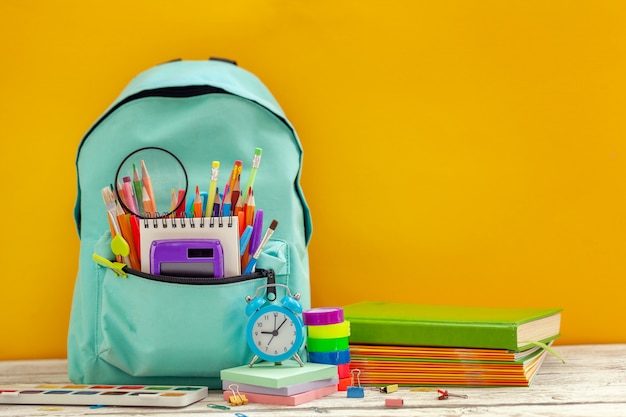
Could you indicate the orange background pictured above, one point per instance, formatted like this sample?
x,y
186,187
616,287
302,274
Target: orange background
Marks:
x,y
455,152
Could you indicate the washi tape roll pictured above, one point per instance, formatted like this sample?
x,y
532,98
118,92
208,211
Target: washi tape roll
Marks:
x,y
330,331
327,345
330,358
323,316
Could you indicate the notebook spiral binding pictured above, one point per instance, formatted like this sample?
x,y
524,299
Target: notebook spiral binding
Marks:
x,y
183,222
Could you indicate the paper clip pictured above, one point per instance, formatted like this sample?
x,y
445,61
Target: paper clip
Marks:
x,y
444,394
218,407
237,398
355,391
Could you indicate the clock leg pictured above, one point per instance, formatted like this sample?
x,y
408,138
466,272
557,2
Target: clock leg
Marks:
x,y
297,358
253,360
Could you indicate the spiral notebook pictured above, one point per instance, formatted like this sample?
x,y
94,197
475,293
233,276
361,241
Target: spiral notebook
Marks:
x,y
225,229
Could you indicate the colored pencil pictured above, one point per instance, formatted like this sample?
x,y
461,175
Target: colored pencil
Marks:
x,y
215,171
256,162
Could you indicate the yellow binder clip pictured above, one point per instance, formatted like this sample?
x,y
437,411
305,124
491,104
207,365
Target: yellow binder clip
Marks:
x,y
237,398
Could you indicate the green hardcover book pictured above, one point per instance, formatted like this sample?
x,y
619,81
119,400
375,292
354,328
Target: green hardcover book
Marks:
x,y
388,323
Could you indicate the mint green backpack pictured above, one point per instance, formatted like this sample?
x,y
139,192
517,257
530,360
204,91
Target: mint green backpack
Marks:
x,y
129,327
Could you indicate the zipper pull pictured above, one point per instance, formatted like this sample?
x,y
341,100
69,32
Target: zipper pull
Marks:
x,y
116,267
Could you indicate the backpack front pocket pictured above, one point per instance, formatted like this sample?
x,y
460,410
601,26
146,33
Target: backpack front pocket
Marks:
x,y
150,328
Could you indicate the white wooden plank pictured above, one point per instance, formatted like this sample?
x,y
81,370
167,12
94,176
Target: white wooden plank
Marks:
x,y
591,382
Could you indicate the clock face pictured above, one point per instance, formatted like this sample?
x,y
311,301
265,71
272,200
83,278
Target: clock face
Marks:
x,y
274,333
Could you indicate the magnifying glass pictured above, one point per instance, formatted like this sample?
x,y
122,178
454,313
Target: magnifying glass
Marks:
x,y
151,182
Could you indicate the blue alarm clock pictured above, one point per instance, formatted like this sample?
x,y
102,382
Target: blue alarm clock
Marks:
x,y
275,332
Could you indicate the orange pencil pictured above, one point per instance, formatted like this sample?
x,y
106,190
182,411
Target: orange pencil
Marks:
x,y
146,203
250,207
147,182
233,177
197,204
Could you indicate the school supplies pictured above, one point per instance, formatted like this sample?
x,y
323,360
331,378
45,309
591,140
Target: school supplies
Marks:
x,y
285,384
166,173
388,323
215,171
266,238
441,366
256,162
416,344
149,328
223,229
91,394
187,258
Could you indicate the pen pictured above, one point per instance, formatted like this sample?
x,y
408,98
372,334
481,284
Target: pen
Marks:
x,y
215,171
256,162
266,238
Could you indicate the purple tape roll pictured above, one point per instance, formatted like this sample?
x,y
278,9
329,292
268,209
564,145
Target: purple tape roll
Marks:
x,y
323,316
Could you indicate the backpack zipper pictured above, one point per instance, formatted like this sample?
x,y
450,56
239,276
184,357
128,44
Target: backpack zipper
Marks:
x,y
259,273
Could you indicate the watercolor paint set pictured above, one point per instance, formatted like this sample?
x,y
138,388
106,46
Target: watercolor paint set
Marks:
x,y
122,395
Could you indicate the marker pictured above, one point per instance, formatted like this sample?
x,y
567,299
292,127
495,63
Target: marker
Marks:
x,y
255,239
266,238
256,162
215,171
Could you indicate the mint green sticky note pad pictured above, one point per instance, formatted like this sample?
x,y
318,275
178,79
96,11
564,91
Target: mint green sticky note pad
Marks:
x,y
268,374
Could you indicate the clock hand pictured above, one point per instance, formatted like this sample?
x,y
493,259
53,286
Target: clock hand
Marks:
x,y
275,332
281,324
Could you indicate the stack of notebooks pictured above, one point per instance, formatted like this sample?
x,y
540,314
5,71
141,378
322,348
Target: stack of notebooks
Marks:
x,y
431,345
284,384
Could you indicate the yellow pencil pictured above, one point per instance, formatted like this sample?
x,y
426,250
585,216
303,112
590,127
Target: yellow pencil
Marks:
x,y
215,170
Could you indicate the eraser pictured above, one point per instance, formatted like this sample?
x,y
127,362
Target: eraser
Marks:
x,y
394,402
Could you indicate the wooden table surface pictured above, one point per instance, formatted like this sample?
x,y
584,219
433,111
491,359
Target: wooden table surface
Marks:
x,y
592,382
